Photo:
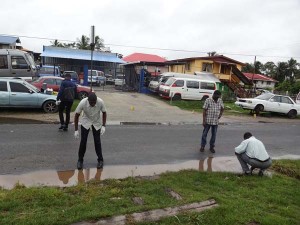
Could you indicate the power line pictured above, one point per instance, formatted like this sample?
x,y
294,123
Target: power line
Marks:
x,y
166,49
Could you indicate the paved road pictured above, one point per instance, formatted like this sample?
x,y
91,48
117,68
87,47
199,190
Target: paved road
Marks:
x,y
29,147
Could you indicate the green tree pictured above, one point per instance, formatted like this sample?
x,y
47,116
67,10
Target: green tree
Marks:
x,y
56,43
281,71
269,69
99,42
248,68
83,42
292,69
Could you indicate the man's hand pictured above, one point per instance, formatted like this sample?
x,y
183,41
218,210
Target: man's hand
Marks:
x,y
76,134
102,130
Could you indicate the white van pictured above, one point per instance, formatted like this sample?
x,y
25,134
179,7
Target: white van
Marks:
x,y
17,63
187,88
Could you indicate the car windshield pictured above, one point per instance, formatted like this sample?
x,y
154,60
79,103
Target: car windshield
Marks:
x,y
38,80
170,81
120,77
32,87
94,73
265,96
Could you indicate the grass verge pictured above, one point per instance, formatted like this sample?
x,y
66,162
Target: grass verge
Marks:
x,y
241,199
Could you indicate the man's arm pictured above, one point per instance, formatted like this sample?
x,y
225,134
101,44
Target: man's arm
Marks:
x,y
104,119
242,147
76,121
221,113
204,117
61,90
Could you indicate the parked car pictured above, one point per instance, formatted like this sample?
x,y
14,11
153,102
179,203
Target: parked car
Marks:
x,y
98,77
48,70
18,93
120,80
109,79
269,102
187,88
154,83
17,63
74,76
55,82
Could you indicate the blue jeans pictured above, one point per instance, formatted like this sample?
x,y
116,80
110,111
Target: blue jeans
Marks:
x,y
214,129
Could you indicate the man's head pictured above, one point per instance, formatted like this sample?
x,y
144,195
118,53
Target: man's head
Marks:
x,y
92,98
68,76
216,95
247,135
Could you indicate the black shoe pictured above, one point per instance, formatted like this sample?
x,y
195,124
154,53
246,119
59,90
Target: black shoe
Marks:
x,y
260,173
61,127
65,128
251,169
202,149
212,150
79,165
100,165
247,173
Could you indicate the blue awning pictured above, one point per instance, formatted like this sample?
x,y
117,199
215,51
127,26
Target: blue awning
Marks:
x,y
68,53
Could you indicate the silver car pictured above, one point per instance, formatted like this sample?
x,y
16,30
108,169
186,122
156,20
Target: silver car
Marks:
x,y
17,93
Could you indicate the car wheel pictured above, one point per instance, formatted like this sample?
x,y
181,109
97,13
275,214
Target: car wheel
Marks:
x,y
292,114
82,95
204,98
176,97
258,109
50,107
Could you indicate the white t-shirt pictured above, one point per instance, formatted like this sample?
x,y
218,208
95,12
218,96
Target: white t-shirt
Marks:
x,y
91,115
254,148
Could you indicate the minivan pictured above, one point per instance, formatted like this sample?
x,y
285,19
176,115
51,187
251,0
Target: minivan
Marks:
x,y
17,63
179,88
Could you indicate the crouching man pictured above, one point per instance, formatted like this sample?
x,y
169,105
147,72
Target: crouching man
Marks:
x,y
252,152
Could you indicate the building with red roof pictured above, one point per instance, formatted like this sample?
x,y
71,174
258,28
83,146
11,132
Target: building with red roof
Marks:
x,y
261,81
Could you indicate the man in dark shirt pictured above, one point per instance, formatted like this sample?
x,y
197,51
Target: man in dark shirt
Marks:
x,y
66,97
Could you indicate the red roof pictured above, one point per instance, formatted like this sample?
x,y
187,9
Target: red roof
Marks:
x,y
259,77
141,57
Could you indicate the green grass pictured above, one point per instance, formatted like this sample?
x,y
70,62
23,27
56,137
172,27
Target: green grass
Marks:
x,y
75,104
241,199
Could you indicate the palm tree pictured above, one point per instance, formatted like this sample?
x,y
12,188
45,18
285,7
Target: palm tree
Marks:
x,y
269,69
56,43
83,42
281,71
292,68
99,42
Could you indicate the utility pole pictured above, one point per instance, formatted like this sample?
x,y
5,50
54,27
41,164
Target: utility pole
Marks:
x,y
92,44
254,90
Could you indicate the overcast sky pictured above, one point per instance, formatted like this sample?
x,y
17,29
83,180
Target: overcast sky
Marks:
x,y
235,28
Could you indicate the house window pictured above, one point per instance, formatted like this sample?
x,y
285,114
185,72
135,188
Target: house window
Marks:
x,y
207,67
223,69
268,82
188,66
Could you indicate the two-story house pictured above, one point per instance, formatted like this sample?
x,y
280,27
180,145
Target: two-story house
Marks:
x,y
227,70
261,81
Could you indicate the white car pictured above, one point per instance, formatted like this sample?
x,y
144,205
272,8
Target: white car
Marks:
x,y
120,80
270,103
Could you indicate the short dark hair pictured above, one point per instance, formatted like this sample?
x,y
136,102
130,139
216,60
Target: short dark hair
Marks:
x,y
247,135
217,92
92,97
68,75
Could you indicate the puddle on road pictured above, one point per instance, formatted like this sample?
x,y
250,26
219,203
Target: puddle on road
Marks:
x,y
73,177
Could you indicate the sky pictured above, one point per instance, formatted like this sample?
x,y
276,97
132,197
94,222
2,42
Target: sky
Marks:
x,y
174,29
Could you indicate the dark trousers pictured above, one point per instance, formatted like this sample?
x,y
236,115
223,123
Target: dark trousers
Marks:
x,y
214,129
97,142
64,106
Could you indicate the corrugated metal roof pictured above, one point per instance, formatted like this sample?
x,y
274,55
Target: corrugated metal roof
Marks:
x,y
259,77
9,39
142,57
68,53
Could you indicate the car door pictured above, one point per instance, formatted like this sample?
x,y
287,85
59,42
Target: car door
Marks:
x,y
22,96
286,104
20,67
273,105
4,95
192,90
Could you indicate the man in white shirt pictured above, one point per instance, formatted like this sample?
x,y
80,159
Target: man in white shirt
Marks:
x,y
92,107
253,152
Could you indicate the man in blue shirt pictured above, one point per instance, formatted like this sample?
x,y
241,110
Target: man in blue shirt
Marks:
x,y
65,98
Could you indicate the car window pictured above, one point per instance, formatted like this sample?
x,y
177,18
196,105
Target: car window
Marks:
x,y
3,62
179,83
50,81
169,81
286,100
58,82
18,62
276,99
192,84
207,85
18,87
266,96
3,86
